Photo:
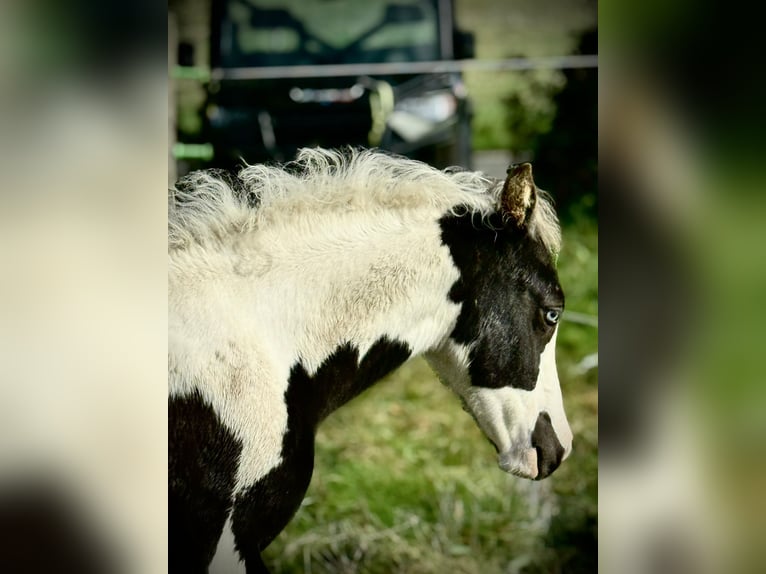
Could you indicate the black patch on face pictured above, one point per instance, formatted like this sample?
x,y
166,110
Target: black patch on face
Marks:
x,y
262,511
547,445
507,282
202,465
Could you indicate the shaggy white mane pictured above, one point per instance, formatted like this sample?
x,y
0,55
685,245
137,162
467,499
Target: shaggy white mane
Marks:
x,y
203,207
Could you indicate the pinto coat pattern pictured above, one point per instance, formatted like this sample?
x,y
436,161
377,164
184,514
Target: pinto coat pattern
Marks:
x,y
292,289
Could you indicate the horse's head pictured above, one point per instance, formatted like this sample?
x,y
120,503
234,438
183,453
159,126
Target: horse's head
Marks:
x,y
500,357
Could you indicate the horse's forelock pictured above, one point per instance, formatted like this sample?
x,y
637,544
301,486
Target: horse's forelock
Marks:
x,y
544,224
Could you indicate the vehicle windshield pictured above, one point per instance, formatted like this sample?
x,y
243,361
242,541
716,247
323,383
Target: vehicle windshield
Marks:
x,y
309,32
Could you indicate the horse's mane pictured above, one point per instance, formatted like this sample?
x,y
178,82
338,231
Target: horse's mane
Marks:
x,y
208,205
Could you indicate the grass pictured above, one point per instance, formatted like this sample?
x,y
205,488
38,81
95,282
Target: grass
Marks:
x,y
405,482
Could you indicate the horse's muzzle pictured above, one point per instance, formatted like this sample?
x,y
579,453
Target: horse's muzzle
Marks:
x,y
541,459
550,453
521,463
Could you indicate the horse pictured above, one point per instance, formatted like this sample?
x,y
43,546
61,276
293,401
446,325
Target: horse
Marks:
x,y
294,288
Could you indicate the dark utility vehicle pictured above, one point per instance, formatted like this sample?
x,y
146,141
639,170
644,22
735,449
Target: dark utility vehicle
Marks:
x,y
292,73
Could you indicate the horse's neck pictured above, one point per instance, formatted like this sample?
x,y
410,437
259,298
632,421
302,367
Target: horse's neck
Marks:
x,y
360,288
314,313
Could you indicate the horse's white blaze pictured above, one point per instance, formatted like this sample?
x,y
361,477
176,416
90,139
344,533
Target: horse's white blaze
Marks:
x,y
236,328
508,415
552,401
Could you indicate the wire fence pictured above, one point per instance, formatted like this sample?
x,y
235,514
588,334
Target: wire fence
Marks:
x,y
391,68
386,68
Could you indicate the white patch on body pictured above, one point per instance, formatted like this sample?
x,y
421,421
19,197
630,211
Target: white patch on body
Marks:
x,y
552,400
344,277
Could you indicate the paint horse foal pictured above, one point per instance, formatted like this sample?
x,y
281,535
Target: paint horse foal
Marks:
x,y
293,290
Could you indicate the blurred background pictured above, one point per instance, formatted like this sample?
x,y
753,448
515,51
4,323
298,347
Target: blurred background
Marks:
x,y
84,165
437,80
404,480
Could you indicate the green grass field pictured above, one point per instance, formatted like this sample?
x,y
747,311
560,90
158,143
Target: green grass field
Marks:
x,y
405,482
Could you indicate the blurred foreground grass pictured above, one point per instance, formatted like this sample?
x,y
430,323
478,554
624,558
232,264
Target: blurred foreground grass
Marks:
x,y
405,482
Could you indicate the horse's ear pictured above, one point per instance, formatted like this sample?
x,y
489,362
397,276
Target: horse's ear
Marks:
x,y
519,194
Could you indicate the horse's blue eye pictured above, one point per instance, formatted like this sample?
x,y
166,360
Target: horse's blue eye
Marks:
x,y
552,316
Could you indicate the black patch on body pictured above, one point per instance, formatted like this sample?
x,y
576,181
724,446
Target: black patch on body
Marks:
x,y
262,511
507,281
547,445
202,464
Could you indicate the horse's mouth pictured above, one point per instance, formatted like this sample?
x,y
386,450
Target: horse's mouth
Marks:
x,y
519,462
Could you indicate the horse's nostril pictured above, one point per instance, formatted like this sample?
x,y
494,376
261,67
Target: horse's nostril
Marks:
x,y
546,443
